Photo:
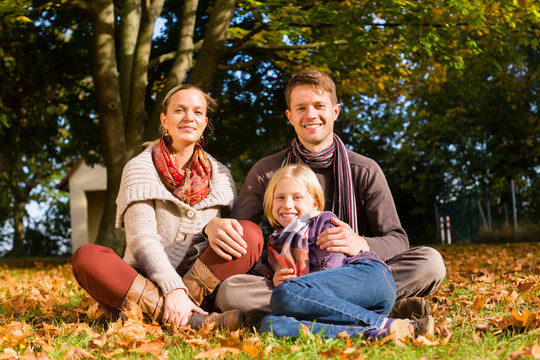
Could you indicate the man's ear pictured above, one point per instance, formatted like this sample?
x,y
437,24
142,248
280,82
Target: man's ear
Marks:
x,y
337,108
288,113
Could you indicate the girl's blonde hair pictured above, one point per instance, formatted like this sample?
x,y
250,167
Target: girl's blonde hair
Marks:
x,y
301,173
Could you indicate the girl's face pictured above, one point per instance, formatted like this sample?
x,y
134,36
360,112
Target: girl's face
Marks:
x,y
185,118
291,200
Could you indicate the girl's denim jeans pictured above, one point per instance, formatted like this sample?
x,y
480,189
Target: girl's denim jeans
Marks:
x,y
354,298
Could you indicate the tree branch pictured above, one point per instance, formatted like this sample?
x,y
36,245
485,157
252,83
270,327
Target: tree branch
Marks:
x,y
237,66
246,38
83,5
271,48
424,24
171,55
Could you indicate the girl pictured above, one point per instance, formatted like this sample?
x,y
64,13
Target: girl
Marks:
x,y
292,202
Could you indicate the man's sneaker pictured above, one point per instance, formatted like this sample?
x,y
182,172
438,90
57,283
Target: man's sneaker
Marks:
x,y
410,308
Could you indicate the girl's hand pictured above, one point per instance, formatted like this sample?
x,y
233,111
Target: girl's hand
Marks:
x,y
178,308
282,275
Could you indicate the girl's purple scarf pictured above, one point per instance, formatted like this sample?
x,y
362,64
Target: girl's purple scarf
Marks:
x,y
290,248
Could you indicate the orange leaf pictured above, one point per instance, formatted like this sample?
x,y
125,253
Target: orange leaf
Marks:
x,y
422,340
196,341
532,350
217,352
478,303
48,329
115,352
134,331
100,340
76,353
520,321
305,330
15,333
252,346
522,287
9,353
84,328
154,347
45,345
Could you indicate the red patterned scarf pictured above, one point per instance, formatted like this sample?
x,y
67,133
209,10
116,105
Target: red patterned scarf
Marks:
x,y
191,185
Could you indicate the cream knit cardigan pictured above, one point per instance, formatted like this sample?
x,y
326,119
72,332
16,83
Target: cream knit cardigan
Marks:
x,y
160,229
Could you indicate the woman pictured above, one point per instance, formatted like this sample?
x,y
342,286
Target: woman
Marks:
x,y
167,195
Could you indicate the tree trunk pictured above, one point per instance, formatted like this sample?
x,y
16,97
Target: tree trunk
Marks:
x,y
19,210
181,64
213,49
129,26
122,125
211,54
111,119
136,112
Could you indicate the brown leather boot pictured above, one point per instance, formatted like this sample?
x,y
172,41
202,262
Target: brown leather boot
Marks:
x,y
231,319
148,296
200,282
410,308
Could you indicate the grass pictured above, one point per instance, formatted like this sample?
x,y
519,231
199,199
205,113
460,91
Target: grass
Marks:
x,y
487,308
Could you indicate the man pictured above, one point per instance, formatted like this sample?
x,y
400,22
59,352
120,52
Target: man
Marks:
x,y
355,189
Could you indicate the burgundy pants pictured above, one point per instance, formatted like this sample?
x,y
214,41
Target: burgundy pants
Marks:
x,y
107,278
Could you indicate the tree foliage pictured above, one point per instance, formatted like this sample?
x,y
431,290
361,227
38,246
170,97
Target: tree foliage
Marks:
x,y
395,63
34,96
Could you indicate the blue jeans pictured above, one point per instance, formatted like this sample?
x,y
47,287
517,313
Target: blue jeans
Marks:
x,y
354,298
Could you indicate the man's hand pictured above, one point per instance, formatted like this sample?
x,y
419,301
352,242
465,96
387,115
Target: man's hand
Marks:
x,y
341,239
282,275
225,237
178,308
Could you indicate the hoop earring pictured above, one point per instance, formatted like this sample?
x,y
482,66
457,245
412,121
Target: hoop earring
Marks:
x,y
167,138
201,140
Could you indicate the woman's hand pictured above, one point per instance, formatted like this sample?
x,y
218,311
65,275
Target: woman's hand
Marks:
x,y
226,237
282,275
178,308
341,239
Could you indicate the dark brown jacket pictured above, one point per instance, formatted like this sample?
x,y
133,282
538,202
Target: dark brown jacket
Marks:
x,y
375,205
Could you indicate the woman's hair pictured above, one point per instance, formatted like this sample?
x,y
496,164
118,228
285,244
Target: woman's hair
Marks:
x,y
305,177
315,78
211,106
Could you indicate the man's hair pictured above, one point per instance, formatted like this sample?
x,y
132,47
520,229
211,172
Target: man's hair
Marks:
x,y
315,78
305,177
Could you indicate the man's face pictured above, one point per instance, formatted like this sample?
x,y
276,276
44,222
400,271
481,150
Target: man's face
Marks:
x,y
312,115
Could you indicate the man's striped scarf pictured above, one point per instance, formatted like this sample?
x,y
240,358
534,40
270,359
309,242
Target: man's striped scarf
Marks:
x,y
344,204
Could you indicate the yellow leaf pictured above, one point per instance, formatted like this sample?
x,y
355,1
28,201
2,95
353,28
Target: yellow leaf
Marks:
x,y
23,18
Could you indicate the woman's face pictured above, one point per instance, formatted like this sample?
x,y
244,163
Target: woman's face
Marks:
x,y
185,118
